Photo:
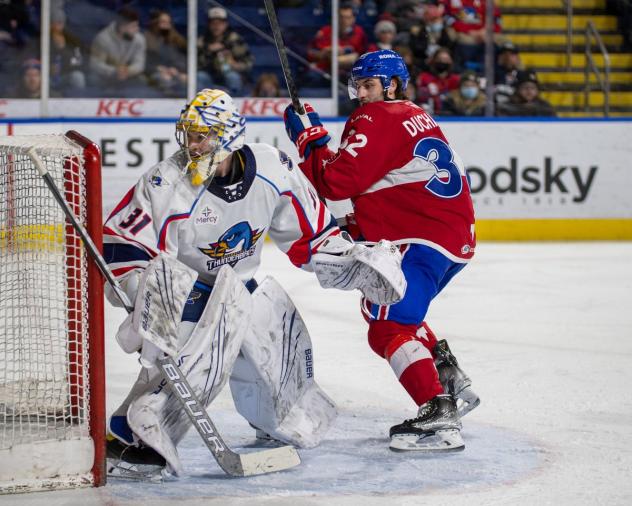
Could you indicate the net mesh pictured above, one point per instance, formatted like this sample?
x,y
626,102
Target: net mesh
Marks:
x,y
44,393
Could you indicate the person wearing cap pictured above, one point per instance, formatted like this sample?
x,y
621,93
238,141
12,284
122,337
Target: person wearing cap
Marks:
x,y
117,56
526,99
31,80
66,59
385,32
224,58
467,100
507,66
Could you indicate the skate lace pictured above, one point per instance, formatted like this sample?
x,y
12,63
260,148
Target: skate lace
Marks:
x,y
423,413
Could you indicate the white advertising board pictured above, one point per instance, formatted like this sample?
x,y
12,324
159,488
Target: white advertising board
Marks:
x,y
518,170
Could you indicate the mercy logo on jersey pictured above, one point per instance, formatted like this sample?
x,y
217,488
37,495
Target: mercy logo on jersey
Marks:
x,y
206,216
237,243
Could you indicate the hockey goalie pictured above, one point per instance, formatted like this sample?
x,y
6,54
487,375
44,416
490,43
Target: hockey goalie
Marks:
x,y
185,243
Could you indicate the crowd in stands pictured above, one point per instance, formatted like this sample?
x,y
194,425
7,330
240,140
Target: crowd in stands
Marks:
x,y
142,52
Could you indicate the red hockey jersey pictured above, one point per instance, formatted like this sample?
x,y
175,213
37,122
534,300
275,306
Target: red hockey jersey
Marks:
x,y
406,183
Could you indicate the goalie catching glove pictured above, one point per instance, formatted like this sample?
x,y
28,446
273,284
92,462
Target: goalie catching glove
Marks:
x,y
374,270
305,130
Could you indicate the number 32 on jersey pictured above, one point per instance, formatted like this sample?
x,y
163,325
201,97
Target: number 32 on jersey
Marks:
x,y
446,182
352,142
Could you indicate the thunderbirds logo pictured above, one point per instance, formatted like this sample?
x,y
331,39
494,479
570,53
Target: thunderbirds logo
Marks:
x,y
237,243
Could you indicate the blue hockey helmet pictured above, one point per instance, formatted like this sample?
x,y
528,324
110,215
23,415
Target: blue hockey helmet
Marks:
x,y
384,64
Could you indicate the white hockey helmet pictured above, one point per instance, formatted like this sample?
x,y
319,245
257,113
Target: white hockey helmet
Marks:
x,y
212,119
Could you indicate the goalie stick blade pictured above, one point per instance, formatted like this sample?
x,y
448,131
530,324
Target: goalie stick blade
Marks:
x,y
440,442
261,462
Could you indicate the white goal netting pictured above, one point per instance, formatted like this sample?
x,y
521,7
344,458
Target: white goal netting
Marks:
x,y
44,394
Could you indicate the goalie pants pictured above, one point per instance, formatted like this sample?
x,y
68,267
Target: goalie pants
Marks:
x,y
398,332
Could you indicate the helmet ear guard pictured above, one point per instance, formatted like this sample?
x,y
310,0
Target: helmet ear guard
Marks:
x,y
214,114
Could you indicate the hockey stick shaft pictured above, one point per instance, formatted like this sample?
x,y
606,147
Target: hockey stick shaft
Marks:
x,y
285,65
231,462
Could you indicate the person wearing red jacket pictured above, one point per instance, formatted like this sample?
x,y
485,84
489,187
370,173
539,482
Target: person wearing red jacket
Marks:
x,y
352,42
409,186
434,85
467,19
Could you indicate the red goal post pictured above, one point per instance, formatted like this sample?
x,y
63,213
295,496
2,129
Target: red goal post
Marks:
x,y
52,378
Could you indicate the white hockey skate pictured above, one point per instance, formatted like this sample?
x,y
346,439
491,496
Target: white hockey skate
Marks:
x,y
454,381
435,430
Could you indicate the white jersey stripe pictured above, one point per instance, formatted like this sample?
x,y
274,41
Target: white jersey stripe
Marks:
x,y
407,354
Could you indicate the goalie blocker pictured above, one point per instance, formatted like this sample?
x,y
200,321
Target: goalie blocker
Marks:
x,y
257,340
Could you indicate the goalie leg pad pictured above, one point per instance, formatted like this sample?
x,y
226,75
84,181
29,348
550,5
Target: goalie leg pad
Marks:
x,y
273,382
163,290
206,360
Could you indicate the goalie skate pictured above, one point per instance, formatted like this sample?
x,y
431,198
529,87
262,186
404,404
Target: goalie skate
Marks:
x,y
121,470
133,453
436,429
454,381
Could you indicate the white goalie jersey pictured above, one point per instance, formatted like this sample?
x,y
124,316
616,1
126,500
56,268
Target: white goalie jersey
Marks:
x,y
223,225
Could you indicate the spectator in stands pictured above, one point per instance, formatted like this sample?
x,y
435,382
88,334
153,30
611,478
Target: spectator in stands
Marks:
x,y
16,26
117,56
467,18
467,100
385,32
409,59
224,58
66,60
435,84
507,66
405,13
267,86
30,82
352,42
430,33
526,99
166,56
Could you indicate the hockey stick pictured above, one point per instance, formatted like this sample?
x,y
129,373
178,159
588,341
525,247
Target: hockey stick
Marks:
x,y
233,463
285,65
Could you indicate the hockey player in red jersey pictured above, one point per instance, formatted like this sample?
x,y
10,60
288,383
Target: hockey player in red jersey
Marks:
x,y
409,186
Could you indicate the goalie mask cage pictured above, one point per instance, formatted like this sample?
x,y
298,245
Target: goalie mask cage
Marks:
x,y
52,386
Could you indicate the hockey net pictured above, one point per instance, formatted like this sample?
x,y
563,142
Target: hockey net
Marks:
x,y
51,318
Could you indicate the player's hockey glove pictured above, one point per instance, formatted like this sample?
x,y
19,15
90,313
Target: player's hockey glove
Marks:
x,y
305,131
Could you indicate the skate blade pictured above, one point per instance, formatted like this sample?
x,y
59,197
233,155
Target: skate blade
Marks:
x,y
448,440
121,470
466,401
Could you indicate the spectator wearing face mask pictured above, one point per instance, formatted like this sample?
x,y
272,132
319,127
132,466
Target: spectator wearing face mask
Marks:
x,y
433,85
431,33
467,100
526,99
117,55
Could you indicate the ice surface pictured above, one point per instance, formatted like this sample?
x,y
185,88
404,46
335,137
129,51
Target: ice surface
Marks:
x,y
545,332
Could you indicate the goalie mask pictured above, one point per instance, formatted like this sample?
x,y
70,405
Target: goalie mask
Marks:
x,y
208,130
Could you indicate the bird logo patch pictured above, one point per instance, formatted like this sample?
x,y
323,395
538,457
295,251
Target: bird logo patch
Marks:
x,y
237,243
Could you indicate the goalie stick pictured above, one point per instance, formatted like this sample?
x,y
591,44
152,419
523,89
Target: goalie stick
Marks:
x,y
233,463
